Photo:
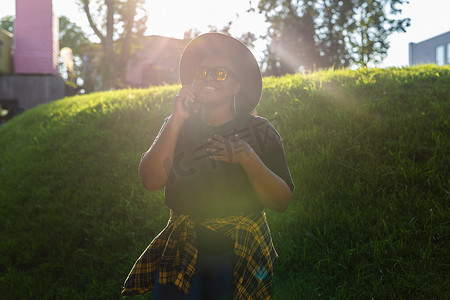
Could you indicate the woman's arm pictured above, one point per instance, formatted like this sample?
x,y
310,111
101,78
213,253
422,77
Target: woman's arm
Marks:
x,y
156,162
271,190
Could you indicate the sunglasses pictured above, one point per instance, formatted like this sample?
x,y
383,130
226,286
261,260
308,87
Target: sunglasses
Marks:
x,y
218,73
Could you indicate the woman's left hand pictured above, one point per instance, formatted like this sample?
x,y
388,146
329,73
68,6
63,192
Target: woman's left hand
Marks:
x,y
234,151
271,190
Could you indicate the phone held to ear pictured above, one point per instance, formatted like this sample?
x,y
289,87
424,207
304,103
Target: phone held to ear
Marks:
x,y
190,103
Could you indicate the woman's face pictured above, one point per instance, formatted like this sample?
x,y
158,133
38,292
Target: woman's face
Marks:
x,y
211,91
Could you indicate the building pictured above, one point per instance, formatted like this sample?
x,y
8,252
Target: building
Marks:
x,y
155,63
6,40
36,38
33,78
435,50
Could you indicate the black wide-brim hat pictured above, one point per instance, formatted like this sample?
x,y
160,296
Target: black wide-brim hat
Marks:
x,y
246,67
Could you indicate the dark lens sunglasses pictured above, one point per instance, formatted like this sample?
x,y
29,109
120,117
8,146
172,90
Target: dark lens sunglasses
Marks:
x,y
218,73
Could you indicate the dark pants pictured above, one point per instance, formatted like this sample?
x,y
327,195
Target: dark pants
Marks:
x,y
213,278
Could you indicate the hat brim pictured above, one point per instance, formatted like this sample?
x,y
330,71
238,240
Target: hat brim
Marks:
x,y
246,67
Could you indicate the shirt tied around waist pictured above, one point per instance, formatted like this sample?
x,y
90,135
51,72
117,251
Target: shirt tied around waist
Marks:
x,y
175,252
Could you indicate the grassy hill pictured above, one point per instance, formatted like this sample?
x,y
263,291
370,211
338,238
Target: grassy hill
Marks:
x,y
368,151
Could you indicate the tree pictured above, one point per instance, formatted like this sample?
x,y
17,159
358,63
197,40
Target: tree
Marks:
x,y
291,36
73,37
328,33
118,24
371,28
7,23
247,38
332,32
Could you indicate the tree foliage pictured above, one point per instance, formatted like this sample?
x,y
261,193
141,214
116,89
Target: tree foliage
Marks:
x,y
7,23
118,24
312,34
371,27
247,38
73,37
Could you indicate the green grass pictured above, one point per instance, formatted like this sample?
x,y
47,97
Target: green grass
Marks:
x,y
368,151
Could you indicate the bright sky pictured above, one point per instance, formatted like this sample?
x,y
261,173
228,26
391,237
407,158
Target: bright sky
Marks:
x,y
173,17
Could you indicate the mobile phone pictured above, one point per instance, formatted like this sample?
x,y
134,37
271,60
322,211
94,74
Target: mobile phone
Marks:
x,y
190,102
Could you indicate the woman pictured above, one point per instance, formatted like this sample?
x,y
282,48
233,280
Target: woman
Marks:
x,y
220,166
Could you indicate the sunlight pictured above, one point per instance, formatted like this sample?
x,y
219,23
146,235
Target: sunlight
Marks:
x,y
288,58
175,19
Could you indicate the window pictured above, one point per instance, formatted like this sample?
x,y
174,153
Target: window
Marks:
x,y
440,55
448,53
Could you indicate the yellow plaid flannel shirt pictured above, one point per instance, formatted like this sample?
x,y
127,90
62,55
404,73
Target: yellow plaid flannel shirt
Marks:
x,y
174,251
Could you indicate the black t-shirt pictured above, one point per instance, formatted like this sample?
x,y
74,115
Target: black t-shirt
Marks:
x,y
206,188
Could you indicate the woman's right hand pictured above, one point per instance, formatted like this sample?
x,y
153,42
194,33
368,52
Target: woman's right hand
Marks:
x,y
153,167
184,103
